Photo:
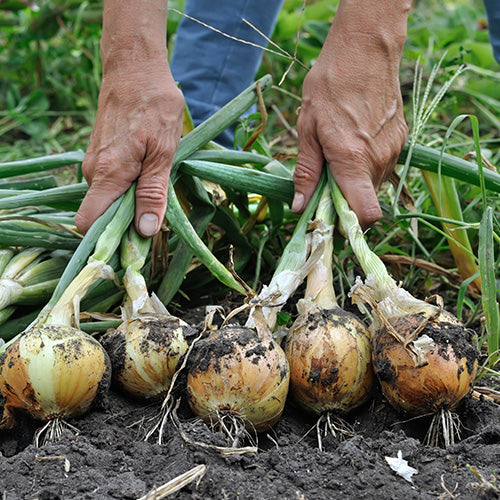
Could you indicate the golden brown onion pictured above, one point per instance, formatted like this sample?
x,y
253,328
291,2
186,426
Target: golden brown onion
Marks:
x,y
145,352
51,372
237,371
438,385
329,354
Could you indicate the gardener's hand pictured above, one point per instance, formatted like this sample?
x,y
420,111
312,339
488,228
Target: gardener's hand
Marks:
x,y
139,118
135,136
351,114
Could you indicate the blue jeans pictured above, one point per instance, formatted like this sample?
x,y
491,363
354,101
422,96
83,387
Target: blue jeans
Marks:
x,y
493,13
212,68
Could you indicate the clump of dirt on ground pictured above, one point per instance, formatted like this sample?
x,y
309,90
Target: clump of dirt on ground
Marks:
x,y
109,459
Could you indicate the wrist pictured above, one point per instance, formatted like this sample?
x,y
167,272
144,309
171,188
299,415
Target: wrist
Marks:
x,y
373,26
134,34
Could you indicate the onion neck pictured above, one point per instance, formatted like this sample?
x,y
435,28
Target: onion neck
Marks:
x,y
10,290
319,286
295,264
379,288
66,310
138,301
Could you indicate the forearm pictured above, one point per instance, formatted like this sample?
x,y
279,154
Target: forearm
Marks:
x,y
133,32
368,28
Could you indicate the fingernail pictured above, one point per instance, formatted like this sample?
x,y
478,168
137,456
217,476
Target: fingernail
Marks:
x,y
298,203
148,224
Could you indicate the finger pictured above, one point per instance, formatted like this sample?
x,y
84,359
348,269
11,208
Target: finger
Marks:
x,y
357,188
307,173
98,198
151,192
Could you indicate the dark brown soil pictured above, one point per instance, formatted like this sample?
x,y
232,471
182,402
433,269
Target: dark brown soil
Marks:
x,y
109,459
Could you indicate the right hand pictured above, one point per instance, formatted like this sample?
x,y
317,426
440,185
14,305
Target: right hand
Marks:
x,y
135,136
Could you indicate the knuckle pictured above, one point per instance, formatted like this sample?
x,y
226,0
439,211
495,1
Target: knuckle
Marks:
x,y
304,173
153,194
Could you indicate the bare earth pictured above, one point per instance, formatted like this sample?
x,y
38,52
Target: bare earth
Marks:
x,y
109,459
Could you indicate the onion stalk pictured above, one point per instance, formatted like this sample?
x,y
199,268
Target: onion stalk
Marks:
x,y
54,370
295,263
423,356
145,349
328,349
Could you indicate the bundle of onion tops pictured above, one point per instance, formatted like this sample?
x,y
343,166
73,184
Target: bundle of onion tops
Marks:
x,y
328,349
145,349
28,276
54,370
423,356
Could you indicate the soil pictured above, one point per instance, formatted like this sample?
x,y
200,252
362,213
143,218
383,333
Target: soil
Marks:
x,y
108,458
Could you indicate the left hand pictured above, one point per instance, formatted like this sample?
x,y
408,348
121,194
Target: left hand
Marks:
x,y
351,116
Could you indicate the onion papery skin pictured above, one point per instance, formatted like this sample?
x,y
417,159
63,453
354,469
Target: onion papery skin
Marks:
x,y
440,384
144,354
51,372
237,371
329,353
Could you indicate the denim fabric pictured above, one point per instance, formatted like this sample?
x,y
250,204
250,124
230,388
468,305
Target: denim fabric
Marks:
x,y
211,68
493,13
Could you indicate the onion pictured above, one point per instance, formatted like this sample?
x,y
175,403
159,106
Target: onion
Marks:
x,y
423,356
328,349
145,349
52,372
145,352
241,372
444,377
329,354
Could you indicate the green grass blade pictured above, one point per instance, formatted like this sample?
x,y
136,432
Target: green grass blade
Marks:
x,y
489,296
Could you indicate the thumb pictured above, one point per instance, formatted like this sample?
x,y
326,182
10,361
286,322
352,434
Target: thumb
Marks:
x,y
151,195
357,188
307,173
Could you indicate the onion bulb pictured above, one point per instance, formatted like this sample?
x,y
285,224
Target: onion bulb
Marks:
x,y
144,353
238,371
52,372
444,377
329,353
